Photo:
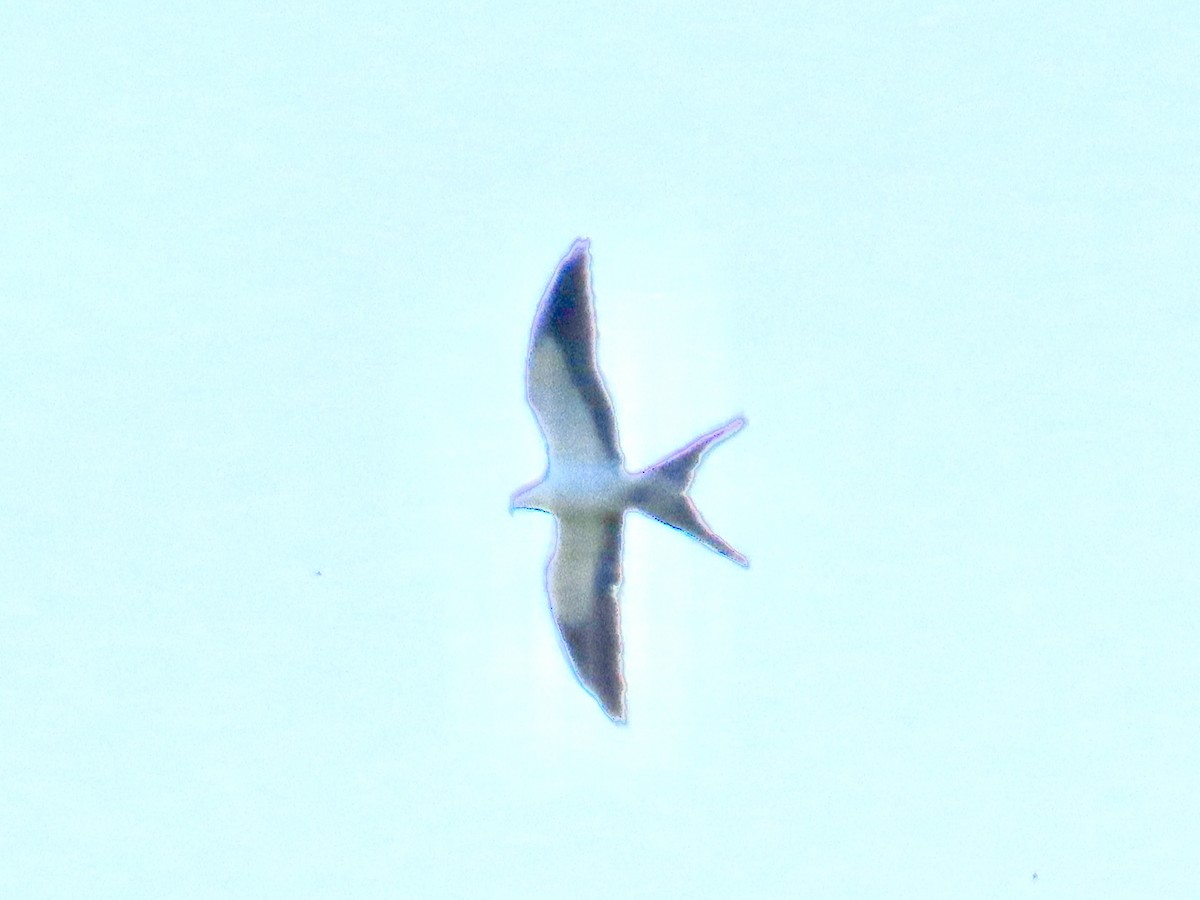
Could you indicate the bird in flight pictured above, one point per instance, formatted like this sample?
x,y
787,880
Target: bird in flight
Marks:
x,y
586,486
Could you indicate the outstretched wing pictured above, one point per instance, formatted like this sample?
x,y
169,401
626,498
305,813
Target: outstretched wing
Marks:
x,y
582,579
563,381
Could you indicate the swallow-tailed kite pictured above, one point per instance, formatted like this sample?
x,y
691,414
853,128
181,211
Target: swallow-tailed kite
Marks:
x,y
586,487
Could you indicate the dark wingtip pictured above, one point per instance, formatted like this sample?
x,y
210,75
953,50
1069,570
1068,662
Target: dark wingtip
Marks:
x,y
610,700
617,715
580,249
569,267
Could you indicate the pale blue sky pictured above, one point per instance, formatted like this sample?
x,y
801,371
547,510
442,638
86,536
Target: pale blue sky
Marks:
x,y
266,279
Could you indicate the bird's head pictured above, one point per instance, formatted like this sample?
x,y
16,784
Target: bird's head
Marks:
x,y
529,497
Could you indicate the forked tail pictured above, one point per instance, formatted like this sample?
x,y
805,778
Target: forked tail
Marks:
x,y
662,490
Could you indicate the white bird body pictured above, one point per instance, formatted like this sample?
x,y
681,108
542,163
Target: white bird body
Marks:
x,y
580,489
586,487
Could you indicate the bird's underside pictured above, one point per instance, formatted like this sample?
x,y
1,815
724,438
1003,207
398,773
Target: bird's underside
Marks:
x,y
586,486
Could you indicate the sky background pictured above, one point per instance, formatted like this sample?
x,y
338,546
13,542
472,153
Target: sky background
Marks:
x,y
267,273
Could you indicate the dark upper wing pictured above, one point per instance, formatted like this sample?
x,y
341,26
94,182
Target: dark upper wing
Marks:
x,y
582,579
563,381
